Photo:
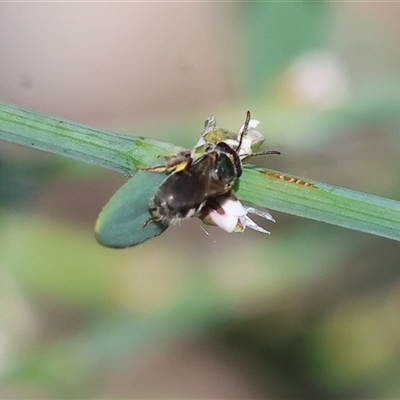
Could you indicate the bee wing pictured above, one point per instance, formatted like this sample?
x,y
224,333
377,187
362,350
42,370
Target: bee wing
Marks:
x,y
205,167
188,189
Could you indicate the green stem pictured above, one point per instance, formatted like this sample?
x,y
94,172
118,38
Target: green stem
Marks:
x,y
122,153
265,188
320,201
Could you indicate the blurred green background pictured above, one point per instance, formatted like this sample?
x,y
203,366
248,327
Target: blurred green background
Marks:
x,y
311,311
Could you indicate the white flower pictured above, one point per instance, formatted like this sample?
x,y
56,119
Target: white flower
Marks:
x,y
230,214
251,141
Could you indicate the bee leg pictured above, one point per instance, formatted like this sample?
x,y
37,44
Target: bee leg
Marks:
x,y
154,220
176,162
151,219
181,156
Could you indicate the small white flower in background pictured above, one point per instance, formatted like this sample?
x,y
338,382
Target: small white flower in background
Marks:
x,y
230,214
318,79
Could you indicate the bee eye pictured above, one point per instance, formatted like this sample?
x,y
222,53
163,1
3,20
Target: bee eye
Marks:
x,y
225,168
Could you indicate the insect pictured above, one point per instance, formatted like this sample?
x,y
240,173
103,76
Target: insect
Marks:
x,y
194,179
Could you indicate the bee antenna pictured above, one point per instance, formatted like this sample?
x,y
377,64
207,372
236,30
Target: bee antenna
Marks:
x,y
265,153
245,128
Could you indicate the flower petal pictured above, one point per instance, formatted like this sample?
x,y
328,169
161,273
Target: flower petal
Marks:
x,y
252,225
225,221
231,206
261,213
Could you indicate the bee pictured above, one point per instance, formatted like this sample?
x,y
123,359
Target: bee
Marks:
x,y
195,179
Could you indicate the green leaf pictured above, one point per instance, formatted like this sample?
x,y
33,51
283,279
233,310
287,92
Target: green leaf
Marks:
x,y
120,224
